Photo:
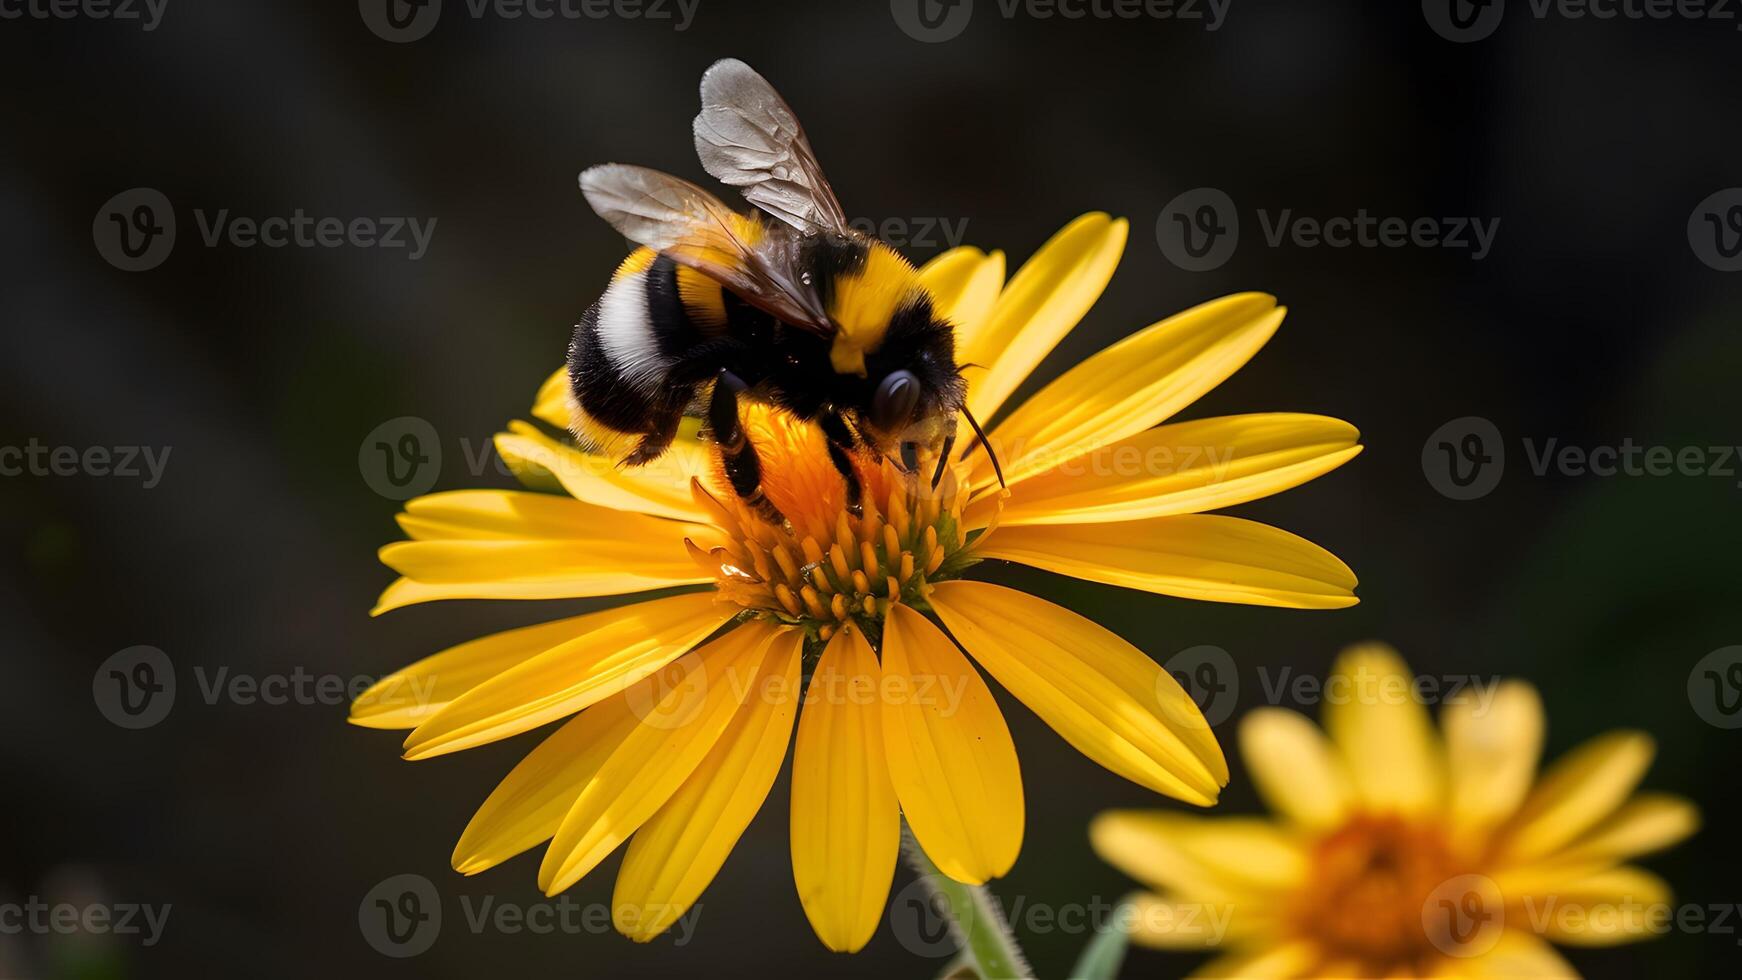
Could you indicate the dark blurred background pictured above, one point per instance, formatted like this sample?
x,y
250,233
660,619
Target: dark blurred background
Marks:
x,y
1595,317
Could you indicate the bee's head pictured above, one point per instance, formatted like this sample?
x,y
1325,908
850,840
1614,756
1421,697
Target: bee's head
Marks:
x,y
914,389
907,417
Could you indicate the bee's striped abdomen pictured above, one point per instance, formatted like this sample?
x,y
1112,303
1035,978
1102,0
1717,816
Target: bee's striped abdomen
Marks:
x,y
651,314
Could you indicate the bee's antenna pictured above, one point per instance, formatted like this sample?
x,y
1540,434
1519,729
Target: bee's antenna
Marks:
x,y
981,440
943,459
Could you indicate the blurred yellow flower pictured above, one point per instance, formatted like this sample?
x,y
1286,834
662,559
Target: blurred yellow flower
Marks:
x,y
1402,851
690,700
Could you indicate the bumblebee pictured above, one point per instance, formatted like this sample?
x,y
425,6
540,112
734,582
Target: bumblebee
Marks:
x,y
787,305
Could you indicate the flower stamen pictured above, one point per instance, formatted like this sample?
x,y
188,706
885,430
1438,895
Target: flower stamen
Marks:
x,y
1372,878
827,565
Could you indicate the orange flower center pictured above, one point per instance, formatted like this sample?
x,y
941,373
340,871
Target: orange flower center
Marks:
x,y
827,565
1372,879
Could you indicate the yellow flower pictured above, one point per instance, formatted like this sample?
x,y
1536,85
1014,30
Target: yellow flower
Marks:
x,y
1402,851
686,703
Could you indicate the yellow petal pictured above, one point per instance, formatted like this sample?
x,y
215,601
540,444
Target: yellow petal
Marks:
x,y
677,732
496,515
404,592
1577,792
1294,958
1169,923
509,544
964,283
1115,705
614,649
1134,384
1604,908
950,755
1193,556
1648,822
1044,300
528,806
1381,728
405,698
1183,468
674,856
1209,860
1295,768
1491,754
846,825
553,403
1515,954
660,488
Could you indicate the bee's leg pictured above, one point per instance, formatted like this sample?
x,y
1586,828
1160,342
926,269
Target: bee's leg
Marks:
x,y
654,444
841,443
742,466
662,427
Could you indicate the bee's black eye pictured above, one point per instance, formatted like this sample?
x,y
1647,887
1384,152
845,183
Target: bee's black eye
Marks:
x,y
897,396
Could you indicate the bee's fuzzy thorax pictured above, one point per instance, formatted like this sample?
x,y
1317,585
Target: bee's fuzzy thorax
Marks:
x,y
862,301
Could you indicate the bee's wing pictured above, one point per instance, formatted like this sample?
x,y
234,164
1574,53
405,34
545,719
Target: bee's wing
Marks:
x,y
748,137
675,217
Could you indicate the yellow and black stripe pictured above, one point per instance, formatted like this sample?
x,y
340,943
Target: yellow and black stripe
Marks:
x,y
653,313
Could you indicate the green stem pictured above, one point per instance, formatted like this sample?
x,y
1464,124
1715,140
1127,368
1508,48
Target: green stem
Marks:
x,y
976,921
